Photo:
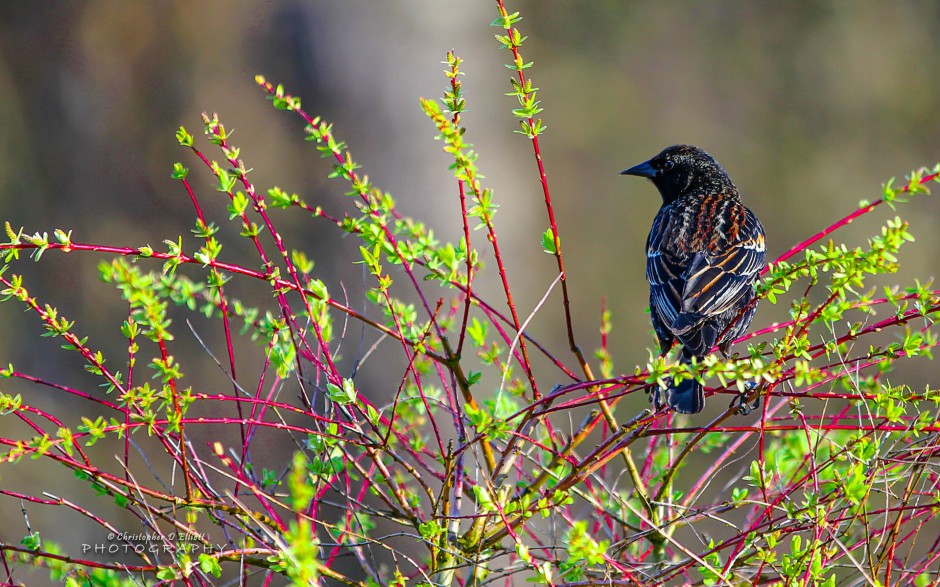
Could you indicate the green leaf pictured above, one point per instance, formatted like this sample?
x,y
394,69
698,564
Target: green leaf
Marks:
x,y
210,564
342,395
548,242
185,139
32,541
473,377
476,330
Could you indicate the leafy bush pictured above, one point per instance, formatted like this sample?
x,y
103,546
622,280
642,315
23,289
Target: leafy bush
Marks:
x,y
466,468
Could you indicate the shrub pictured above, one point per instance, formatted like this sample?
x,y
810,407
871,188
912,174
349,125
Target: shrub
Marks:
x,y
465,468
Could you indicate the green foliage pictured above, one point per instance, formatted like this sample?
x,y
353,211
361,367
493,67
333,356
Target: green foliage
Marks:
x,y
449,451
583,552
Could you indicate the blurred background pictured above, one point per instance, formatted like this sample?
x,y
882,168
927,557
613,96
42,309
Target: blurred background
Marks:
x,y
809,106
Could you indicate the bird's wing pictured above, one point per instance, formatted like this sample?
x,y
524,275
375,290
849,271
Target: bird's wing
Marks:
x,y
715,281
664,271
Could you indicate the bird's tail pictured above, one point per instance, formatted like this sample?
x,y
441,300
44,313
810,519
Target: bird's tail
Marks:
x,y
686,398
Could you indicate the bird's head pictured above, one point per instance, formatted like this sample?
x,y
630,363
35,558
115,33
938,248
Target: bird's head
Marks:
x,y
683,170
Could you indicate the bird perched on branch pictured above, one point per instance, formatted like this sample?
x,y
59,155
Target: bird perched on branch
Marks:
x,y
703,257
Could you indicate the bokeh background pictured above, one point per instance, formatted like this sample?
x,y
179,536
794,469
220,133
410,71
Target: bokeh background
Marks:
x,y
809,105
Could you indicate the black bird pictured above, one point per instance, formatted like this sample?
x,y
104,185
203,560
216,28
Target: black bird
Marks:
x,y
703,257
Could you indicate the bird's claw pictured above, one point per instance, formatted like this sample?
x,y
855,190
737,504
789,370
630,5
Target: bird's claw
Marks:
x,y
740,403
655,396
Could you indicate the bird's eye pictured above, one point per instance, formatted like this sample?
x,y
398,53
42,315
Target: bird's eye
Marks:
x,y
668,165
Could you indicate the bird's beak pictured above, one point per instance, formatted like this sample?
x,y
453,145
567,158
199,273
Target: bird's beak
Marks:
x,y
641,170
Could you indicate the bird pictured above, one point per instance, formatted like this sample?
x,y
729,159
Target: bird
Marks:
x,y
704,255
